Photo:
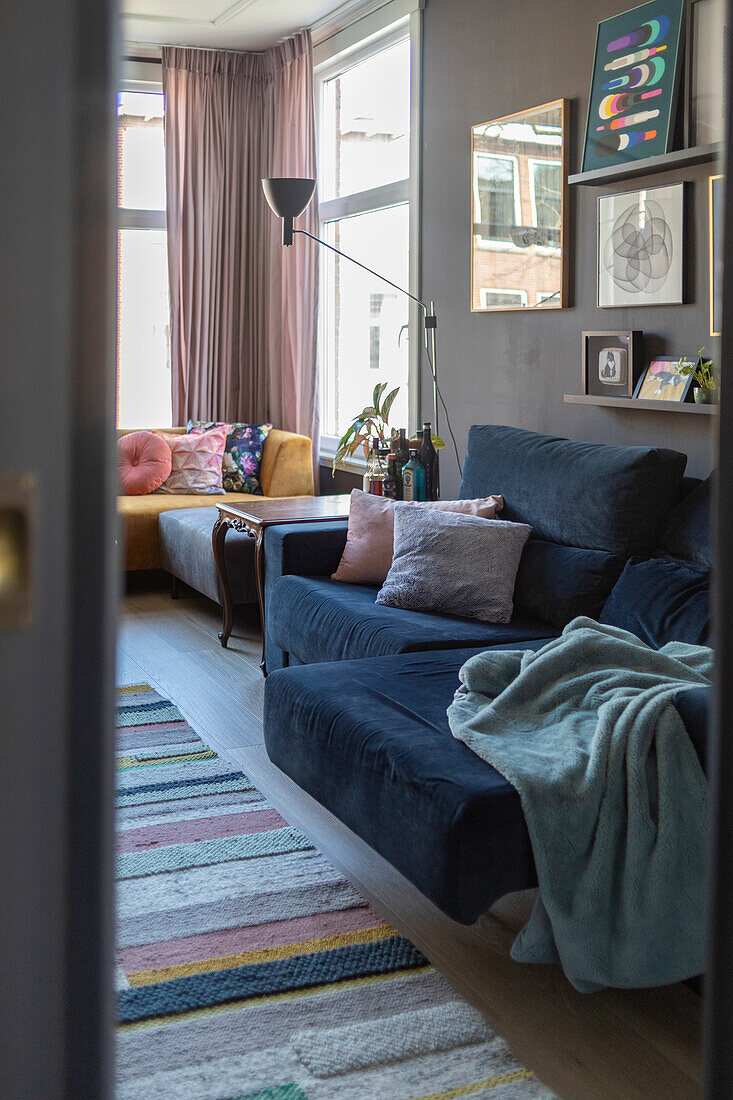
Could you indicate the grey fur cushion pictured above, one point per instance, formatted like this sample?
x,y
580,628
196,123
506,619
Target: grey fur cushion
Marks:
x,y
453,564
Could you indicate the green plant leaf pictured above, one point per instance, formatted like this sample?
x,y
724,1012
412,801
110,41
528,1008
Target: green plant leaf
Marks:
x,y
437,441
377,395
388,403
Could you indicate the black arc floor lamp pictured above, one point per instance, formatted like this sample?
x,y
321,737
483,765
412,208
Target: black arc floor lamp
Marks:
x,y
288,197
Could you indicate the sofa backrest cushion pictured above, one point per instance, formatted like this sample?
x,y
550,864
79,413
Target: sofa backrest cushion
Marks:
x,y
589,495
687,533
661,600
556,583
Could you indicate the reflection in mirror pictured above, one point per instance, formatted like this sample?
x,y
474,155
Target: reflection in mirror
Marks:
x,y
519,181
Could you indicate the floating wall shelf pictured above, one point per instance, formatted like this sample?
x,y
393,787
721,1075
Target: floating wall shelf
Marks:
x,y
683,158
640,403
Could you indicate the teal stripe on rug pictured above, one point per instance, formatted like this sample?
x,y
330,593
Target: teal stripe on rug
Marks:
x,y
168,793
207,853
279,1092
149,717
198,991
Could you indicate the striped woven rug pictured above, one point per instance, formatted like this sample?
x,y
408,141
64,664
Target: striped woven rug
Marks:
x,y
249,968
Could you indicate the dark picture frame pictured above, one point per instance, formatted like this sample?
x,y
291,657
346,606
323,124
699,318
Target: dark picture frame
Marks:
x,y
610,363
715,252
654,385
621,126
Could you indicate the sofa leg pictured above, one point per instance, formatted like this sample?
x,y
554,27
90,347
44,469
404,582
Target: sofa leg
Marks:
x,y
175,587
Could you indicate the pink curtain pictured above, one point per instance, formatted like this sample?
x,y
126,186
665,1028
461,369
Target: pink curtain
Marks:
x,y
243,307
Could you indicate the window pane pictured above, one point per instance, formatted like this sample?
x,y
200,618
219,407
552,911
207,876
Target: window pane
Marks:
x,y
547,196
496,183
366,124
364,334
141,157
143,340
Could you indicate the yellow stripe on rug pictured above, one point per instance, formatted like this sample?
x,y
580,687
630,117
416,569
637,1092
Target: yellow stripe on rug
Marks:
x,y
126,762
133,689
266,954
479,1086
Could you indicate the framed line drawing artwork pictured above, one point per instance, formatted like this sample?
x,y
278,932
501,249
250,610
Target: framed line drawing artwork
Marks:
x,y
634,86
640,247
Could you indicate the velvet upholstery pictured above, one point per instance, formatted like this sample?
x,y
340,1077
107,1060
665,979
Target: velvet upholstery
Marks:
x,y
687,533
556,583
378,753
693,705
186,553
661,600
286,470
588,495
318,619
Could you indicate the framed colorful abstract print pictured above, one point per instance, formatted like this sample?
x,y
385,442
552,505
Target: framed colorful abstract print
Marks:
x,y
633,93
640,247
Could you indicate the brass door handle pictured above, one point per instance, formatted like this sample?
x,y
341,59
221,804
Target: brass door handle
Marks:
x,y
17,526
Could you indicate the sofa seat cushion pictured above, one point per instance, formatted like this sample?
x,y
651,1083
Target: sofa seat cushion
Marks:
x,y
317,619
186,552
139,522
370,741
661,600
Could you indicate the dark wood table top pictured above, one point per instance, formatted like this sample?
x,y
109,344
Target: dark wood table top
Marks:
x,y
266,511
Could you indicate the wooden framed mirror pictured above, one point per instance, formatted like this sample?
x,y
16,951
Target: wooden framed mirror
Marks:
x,y
519,210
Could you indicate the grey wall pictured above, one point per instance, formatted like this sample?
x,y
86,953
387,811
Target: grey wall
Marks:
x,y
484,59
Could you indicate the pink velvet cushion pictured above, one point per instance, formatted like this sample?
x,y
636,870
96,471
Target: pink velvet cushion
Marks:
x,y
367,556
196,461
143,461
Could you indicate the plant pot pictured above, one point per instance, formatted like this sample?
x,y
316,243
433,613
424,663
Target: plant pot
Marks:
x,y
702,397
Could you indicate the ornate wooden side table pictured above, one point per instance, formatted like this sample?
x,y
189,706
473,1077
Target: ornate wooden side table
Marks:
x,y
254,518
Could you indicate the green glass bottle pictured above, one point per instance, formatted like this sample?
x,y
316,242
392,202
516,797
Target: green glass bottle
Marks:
x,y
413,478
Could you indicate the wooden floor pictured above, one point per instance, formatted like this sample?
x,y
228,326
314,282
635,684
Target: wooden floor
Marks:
x,y
635,1045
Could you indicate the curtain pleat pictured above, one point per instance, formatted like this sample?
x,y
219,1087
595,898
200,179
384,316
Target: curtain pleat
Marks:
x,y
243,308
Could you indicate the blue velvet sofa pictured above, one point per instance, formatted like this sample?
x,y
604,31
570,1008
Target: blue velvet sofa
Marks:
x,y
356,694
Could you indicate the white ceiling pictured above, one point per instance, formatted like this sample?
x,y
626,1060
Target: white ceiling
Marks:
x,y
227,24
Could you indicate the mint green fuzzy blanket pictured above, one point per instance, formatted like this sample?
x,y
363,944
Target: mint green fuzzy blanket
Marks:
x,y
613,794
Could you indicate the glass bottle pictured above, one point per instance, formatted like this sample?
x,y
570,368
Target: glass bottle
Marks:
x,y
376,470
401,447
429,458
413,478
392,484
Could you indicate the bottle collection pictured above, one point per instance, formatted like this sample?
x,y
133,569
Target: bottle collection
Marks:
x,y
403,469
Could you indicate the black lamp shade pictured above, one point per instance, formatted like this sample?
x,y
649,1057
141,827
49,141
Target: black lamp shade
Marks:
x,y
288,197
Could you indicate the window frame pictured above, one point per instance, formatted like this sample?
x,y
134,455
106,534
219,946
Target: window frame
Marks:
x,y
398,21
496,243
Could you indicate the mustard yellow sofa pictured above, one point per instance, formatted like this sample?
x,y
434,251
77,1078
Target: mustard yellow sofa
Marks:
x,y
286,471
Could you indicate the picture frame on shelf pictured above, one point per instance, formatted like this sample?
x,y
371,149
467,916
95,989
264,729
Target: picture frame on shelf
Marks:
x,y
715,252
662,380
641,241
632,105
704,72
610,363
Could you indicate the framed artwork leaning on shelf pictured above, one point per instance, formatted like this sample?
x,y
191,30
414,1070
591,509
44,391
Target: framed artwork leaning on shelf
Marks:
x,y
610,363
641,247
663,381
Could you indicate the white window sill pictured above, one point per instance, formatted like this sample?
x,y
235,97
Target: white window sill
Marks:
x,y
348,465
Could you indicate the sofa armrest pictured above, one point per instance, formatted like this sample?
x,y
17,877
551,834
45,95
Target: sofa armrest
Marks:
x,y
305,549
693,705
287,465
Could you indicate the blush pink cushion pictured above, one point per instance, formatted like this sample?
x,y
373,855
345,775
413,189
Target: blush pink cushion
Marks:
x,y
367,556
195,461
143,461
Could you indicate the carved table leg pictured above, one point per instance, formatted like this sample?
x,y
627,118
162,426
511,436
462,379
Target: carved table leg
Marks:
x,y
218,535
260,578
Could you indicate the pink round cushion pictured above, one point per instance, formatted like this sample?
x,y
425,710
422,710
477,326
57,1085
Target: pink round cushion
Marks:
x,y
144,462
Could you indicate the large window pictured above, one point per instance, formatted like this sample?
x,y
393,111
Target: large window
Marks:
x,y
364,168
143,341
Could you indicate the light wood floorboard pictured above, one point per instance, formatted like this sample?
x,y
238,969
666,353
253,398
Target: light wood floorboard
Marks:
x,y
614,1045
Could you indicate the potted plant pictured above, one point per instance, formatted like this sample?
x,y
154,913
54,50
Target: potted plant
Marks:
x,y
371,422
703,375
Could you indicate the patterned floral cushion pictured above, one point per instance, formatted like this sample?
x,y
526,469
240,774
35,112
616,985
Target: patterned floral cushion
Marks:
x,y
242,456
196,461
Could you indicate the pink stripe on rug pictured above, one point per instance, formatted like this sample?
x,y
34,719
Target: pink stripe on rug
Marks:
x,y
204,828
232,941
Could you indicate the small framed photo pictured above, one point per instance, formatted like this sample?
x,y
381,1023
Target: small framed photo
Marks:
x,y
662,381
609,363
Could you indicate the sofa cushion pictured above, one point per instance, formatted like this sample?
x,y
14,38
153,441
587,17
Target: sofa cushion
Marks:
x,y
242,454
186,552
557,583
453,564
580,494
143,463
687,533
196,462
318,619
376,750
661,600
